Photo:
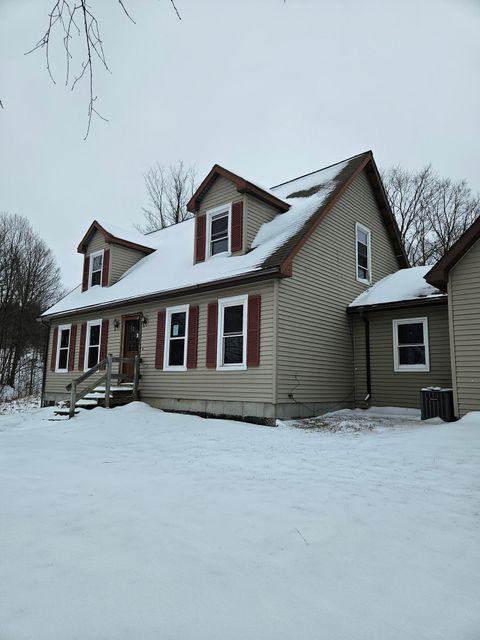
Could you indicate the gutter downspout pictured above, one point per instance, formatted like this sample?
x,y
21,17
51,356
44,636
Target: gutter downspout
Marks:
x,y
367,357
45,355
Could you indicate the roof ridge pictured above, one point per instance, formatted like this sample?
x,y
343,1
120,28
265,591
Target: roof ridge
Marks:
x,y
357,155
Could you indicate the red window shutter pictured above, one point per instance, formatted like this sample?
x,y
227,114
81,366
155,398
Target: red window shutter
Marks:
x,y
237,226
212,327
192,347
81,348
86,270
104,340
105,267
71,347
54,349
160,340
200,238
253,337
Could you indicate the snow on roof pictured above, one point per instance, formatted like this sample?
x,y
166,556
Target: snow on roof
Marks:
x,y
406,284
170,267
132,235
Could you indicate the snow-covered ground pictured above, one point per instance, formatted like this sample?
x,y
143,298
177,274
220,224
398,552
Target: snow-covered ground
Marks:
x,y
133,523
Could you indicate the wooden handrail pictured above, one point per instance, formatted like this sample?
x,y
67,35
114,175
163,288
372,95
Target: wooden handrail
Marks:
x,y
106,363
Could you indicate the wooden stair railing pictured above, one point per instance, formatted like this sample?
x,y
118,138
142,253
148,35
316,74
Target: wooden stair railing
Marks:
x,y
107,364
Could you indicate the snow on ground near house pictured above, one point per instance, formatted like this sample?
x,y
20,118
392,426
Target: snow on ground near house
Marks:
x,y
406,284
134,523
19,405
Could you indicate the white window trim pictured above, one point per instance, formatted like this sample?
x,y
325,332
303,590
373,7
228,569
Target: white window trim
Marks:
x,y
396,360
361,227
90,268
168,321
222,304
63,327
91,323
209,215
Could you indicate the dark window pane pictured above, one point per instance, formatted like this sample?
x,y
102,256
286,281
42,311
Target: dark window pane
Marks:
x,y
233,350
362,255
219,227
233,319
92,356
177,350
410,333
177,325
94,334
362,273
62,358
96,275
218,246
97,263
64,338
412,355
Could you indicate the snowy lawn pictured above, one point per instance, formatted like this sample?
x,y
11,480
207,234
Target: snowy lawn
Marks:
x,y
137,524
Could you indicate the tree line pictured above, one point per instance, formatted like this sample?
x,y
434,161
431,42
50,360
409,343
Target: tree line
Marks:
x,y
29,284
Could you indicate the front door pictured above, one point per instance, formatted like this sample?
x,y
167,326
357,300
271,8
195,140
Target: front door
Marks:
x,y
131,345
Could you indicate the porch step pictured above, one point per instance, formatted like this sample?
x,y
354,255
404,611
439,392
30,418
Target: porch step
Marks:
x,y
64,411
86,403
126,388
95,395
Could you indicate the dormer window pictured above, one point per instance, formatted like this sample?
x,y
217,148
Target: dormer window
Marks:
x,y
218,230
96,266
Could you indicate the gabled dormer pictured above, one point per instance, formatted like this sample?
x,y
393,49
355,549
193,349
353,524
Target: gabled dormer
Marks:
x,y
229,211
109,252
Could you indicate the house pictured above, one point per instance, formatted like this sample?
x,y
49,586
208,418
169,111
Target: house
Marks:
x,y
457,273
241,310
400,340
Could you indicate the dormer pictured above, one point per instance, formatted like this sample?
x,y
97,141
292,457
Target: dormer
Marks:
x,y
109,252
229,211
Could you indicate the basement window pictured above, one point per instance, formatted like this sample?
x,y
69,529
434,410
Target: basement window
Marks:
x,y
63,347
363,248
410,340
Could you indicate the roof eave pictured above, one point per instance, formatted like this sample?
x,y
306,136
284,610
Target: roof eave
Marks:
x,y
244,278
400,304
111,239
242,186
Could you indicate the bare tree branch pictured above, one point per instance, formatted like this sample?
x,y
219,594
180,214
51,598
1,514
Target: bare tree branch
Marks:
x,y
431,212
76,16
168,191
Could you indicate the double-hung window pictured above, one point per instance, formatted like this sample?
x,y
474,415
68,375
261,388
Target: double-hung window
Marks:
x,y
63,347
363,251
218,230
176,332
410,340
96,266
92,347
232,333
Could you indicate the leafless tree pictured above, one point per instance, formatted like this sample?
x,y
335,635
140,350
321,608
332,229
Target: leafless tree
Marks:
x,y
431,212
168,191
68,18
29,283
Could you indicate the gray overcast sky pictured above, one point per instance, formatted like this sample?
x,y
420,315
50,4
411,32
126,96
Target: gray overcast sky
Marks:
x,y
270,89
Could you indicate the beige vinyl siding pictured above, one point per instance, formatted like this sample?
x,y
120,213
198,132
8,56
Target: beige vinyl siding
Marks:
x,y
464,290
97,243
252,385
400,388
221,192
258,213
315,348
121,259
